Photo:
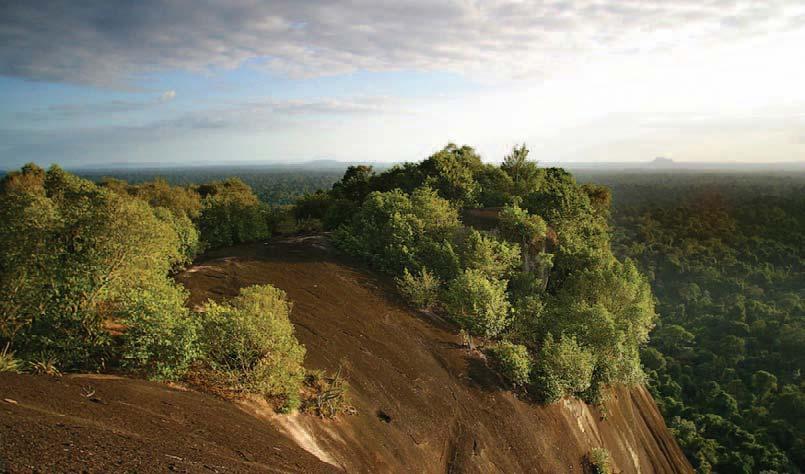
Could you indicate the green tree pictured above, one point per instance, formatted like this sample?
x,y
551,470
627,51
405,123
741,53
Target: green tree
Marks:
x,y
517,225
231,214
563,368
421,290
525,175
513,361
395,231
71,254
496,259
160,336
451,172
355,184
478,303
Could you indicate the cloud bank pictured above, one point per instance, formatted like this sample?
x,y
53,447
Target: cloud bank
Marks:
x,y
112,43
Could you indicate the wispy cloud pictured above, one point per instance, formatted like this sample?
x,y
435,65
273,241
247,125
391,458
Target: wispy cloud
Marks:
x,y
110,42
259,116
78,110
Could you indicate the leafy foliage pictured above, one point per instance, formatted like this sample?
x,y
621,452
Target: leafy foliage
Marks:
x,y
420,290
161,335
395,231
478,303
513,361
562,368
249,345
600,460
9,363
231,214
543,268
483,252
725,360
71,254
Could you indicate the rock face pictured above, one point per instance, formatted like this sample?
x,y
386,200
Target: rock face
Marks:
x,y
424,403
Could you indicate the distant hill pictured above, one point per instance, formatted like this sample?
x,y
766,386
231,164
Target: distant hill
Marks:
x,y
668,165
332,165
325,165
661,162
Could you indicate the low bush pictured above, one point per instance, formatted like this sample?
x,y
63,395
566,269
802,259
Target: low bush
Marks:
x,y
248,344
420,290
513,361
478,303
327,395
9,363
160,339
563,368
45,365
600,461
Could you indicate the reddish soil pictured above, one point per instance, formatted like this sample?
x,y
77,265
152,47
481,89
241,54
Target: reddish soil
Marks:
x,y
95,423
424,403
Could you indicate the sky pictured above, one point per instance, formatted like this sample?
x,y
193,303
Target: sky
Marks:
x,y
104,82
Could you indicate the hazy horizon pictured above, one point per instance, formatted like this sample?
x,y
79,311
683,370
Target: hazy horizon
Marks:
x,y
280,82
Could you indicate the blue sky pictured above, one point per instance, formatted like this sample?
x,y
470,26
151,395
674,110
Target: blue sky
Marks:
x,y
99,82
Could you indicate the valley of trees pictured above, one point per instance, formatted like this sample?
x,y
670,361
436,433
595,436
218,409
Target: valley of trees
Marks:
x,y
725,361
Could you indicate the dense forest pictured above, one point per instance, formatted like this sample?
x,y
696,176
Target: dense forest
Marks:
x,y
273,186
86,284
539,289
559,282
725,257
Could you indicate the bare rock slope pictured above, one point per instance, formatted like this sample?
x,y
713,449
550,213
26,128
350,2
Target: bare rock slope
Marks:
x,y
424,403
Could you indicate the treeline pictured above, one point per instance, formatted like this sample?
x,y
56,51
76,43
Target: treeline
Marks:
x,y
85,284
540,288
725,361
273,187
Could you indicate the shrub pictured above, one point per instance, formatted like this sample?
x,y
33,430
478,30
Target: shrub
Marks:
x,y
600,461
45,365
248,344
497,259
421,290
8,363
562,369
478,303
161,335
329,394
513,361
394,231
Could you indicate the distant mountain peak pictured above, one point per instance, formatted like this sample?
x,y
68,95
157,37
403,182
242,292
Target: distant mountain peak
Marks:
x,y
661,160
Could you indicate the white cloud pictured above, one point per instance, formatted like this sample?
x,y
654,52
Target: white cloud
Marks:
x,y
108,43
167,96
